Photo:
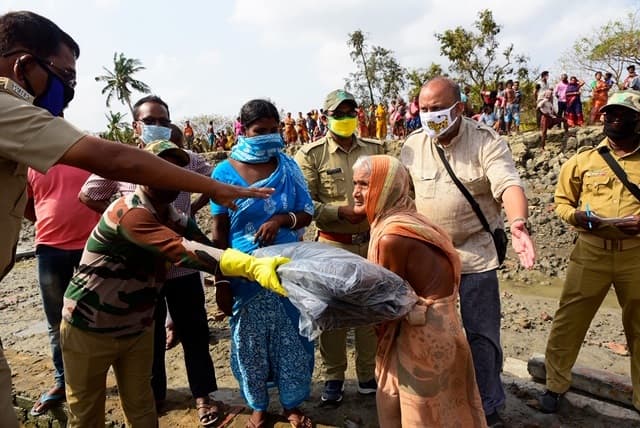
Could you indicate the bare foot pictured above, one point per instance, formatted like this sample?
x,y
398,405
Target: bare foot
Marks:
x,y
297,419
257,420
53,397
209,411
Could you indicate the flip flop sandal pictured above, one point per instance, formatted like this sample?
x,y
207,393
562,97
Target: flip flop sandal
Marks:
x,y
210,416
46,402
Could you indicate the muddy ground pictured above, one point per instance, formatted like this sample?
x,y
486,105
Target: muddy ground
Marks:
x,y
529,300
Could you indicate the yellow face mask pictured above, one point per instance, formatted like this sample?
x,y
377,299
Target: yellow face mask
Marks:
x,y
344,127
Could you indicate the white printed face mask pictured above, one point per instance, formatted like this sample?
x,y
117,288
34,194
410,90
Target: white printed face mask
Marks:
x,y
436,123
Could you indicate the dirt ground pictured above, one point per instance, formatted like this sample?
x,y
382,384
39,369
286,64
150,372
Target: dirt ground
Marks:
x,y
529,301
525,326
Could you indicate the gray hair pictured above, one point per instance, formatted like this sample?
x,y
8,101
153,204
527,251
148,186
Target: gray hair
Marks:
x,y
363,162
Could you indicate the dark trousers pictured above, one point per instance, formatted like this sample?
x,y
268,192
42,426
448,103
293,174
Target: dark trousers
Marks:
x,y
480,310
185,300
562,108
55,269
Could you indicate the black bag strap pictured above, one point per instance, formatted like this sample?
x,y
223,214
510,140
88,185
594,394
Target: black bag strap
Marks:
x,y
465,192
617,169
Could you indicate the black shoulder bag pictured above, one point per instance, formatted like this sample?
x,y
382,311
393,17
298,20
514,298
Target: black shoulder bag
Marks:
x,y
500,239
617,169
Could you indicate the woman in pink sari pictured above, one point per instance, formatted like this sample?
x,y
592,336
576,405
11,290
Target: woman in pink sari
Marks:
x,y
424,367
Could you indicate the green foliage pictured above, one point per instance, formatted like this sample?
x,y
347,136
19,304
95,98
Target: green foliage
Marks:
x,y
120,82
118,129
610,48
379,75
476,56
418,76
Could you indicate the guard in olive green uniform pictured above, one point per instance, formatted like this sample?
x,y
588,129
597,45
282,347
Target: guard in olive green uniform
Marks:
x,y
327,166
592,198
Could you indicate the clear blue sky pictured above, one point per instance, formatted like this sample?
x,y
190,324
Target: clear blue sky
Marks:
x,y
211,57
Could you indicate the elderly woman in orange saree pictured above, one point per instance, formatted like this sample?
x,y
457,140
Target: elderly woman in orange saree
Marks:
x,y
424,367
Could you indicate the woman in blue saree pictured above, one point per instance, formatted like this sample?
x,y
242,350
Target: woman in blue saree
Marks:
x,y
266,348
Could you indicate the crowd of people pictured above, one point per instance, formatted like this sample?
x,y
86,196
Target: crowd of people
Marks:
x,y
119,252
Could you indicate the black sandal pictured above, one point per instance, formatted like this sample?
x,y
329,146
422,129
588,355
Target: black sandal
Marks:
x,y
210,415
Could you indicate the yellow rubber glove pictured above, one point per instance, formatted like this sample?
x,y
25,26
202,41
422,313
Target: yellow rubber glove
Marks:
x,y
259,269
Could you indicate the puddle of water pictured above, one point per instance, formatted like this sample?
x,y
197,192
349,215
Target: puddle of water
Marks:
x,y
35,328
542,288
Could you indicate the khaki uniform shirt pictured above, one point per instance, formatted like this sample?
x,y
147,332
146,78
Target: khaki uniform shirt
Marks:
x,y
482,161
328,169
29,136
587,179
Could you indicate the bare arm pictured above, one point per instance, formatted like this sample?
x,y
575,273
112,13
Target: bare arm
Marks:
x,y
125,163
198,204
517,210
220,235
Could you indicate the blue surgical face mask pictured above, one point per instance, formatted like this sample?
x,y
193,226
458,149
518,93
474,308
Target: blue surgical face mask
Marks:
x,y
257,149
154,132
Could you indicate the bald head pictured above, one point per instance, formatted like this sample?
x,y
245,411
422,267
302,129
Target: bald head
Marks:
x,y
443,86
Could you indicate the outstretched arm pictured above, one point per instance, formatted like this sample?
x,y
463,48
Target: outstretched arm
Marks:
x,y
126,163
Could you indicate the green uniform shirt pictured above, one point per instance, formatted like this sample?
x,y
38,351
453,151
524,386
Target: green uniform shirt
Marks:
x,y
328,169
587,179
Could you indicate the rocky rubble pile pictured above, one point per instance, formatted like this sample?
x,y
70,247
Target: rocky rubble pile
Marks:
x,y
539,170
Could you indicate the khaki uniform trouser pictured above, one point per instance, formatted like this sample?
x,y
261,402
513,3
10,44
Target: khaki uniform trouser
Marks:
x,y
333,344
591,271
8,417
87,357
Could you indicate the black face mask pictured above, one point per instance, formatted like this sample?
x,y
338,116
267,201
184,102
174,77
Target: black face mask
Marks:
x,y
623,130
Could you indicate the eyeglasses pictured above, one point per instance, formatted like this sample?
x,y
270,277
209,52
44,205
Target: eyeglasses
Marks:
x,y
337,114
68,77
155,121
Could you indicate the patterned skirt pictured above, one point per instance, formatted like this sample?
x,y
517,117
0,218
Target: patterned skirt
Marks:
x,y
267,350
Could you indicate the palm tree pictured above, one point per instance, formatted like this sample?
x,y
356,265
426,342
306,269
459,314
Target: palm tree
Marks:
x,y
120,81
117,128
357,42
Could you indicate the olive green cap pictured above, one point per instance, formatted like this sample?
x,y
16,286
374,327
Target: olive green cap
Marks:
x,y
160,147
335,98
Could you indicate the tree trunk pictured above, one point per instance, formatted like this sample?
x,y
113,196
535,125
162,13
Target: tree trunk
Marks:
x,y
133,117
366,75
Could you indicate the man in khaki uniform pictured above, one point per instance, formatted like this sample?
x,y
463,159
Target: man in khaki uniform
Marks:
x,y
606,214
37,81
327,166
482,162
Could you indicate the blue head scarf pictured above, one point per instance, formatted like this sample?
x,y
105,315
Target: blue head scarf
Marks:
x,y
257,149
